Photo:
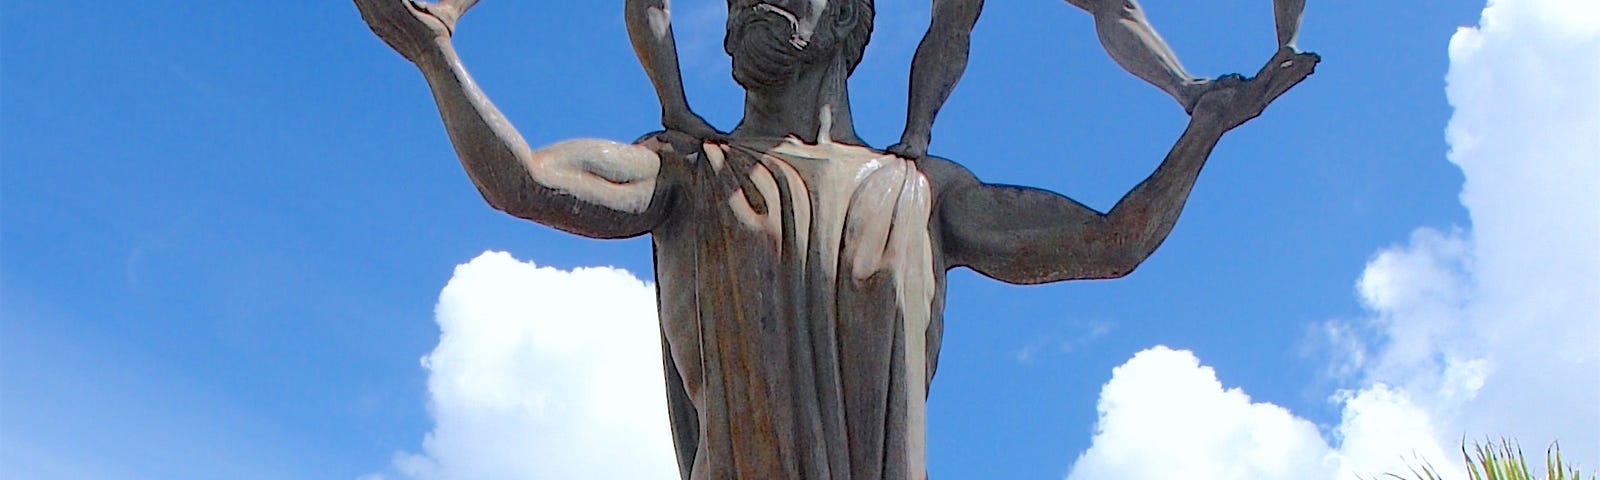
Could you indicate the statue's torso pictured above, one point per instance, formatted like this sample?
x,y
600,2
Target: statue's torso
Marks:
x,y
801,301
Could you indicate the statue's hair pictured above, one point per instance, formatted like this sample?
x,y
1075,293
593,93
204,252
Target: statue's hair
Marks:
x,y
855,40
767,60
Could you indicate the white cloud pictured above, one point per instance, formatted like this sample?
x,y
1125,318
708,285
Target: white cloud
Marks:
x,y
1164,415
1518,356
544,373
1481,333
1384,431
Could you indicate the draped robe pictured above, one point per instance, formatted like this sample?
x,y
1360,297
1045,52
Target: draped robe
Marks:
x,y
801,309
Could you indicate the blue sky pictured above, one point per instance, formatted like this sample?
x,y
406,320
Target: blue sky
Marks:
x,y
226,228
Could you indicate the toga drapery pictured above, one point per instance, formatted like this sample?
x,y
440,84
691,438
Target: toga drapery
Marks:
x,y
800,311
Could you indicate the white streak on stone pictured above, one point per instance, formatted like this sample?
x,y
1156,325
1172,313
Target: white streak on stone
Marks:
x,y
660,19
825,125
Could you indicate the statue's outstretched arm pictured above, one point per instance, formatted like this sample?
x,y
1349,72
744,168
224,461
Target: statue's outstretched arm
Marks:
x,y
595,188
940,60
1024,235
650,30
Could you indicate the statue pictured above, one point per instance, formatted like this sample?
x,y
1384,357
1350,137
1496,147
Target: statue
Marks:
x,y
801,273
942,57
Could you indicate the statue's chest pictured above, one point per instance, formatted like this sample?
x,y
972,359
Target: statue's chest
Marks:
x,y
824,208
798,293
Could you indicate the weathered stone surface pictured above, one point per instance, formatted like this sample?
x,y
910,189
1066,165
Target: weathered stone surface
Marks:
x,y
801,273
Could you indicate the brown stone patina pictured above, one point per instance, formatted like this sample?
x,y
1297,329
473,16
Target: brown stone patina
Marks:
x,y
801,273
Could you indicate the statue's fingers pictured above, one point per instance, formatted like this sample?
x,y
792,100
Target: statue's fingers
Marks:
x,y
1284,71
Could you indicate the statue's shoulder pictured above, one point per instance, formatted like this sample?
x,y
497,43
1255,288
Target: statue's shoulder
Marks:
x,y
670,144
944,174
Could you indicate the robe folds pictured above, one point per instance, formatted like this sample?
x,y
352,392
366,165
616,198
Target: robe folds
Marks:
x,y
800,311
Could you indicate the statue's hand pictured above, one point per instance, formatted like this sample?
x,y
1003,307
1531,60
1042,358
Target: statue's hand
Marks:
x,y
688,122
411,27
1232,100
911,147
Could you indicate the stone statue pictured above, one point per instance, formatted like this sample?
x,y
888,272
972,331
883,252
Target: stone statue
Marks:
x,y
942,57
801,273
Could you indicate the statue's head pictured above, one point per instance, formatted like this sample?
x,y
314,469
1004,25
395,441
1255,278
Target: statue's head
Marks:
x,y
773,41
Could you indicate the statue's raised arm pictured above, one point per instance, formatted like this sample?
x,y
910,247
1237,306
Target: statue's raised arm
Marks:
x,y
1025,235
650,30
614,186
1134,44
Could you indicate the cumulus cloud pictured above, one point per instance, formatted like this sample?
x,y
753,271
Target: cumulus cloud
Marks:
x,y
1496,328
1483,332
1164,415
544,373
1526,132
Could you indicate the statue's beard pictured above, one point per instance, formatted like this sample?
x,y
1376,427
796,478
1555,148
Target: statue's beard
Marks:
x,y
766,51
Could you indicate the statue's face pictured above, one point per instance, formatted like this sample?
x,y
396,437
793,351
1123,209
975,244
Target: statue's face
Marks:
x,y
771,40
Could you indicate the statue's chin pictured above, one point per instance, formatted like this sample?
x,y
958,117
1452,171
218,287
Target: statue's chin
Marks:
x,y
753,75
763,57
